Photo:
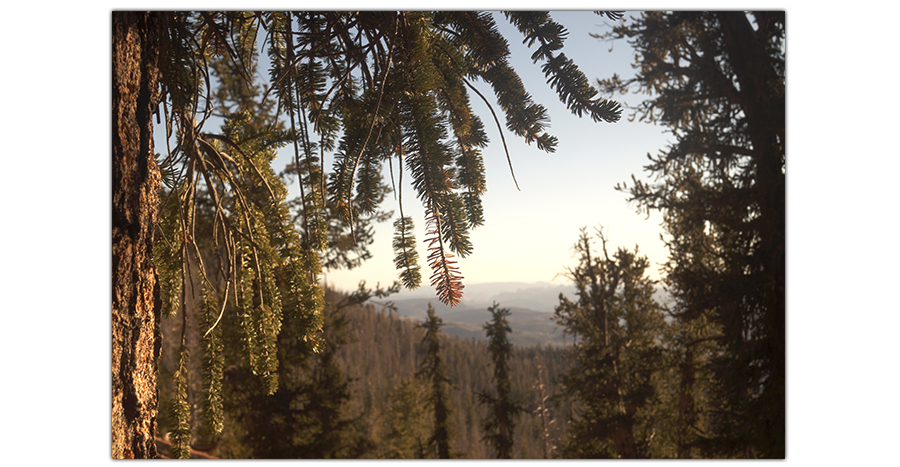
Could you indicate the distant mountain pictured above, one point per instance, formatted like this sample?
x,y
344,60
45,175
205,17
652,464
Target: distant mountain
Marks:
x,y
531,307
537,296
528,327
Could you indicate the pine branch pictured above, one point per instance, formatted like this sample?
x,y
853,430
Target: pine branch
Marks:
x,y
406,258
446,278
366,141
570,83
487,52
499,130
213,363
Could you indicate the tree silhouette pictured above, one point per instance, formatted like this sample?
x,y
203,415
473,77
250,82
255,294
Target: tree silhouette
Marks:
x,y
432,370
717,80
618,329
502,410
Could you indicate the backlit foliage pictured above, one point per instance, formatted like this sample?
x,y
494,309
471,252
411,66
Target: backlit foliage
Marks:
x,y
364,88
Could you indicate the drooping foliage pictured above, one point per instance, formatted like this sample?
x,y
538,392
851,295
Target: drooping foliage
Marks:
x,y
717,80
618,357
306,418
364,88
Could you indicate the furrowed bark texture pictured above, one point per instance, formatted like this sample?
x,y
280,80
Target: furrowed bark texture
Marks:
x,y
136,303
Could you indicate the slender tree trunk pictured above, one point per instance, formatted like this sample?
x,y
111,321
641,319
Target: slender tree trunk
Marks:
x,y
136,338
624,435
687,417
441,422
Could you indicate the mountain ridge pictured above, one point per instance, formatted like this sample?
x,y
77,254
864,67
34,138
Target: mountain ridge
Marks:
x,y
528,327
531,306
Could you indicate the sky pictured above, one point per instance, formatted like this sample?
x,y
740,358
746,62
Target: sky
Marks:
x,y
528,235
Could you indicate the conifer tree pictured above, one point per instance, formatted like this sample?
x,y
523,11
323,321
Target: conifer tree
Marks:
x,y
306,417
500,422
617,354
432,370
718,81
369,87
409,421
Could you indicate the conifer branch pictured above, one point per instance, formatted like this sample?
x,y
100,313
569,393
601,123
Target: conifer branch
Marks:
x,y
221,39
562,74
406,258
366,142
500,130
240,151
494,114
222,312
291,71
445,278
293,63
203,170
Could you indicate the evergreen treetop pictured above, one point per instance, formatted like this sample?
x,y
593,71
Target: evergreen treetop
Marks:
x,y
500,422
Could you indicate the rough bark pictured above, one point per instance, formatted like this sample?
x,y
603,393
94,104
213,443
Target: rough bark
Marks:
x,y
136,304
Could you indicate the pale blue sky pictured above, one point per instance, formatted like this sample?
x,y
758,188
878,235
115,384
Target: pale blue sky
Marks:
x,y
528,234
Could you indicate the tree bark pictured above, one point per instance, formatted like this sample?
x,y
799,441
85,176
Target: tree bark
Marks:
x,y
136,338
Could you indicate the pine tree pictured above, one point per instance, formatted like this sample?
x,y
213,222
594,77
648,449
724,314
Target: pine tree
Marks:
x,y
369,87
618,329
306,417
718,81
410,426
502,410
432,370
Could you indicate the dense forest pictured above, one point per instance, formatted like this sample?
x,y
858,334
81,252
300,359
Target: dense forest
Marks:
x,y
225,339
379,408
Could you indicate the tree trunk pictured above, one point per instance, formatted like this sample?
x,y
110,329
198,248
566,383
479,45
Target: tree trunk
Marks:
x,y
764,105
626,447
136,338
687,417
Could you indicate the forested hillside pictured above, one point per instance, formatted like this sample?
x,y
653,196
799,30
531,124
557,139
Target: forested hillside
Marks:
x,y
384,355
531,327
386,402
